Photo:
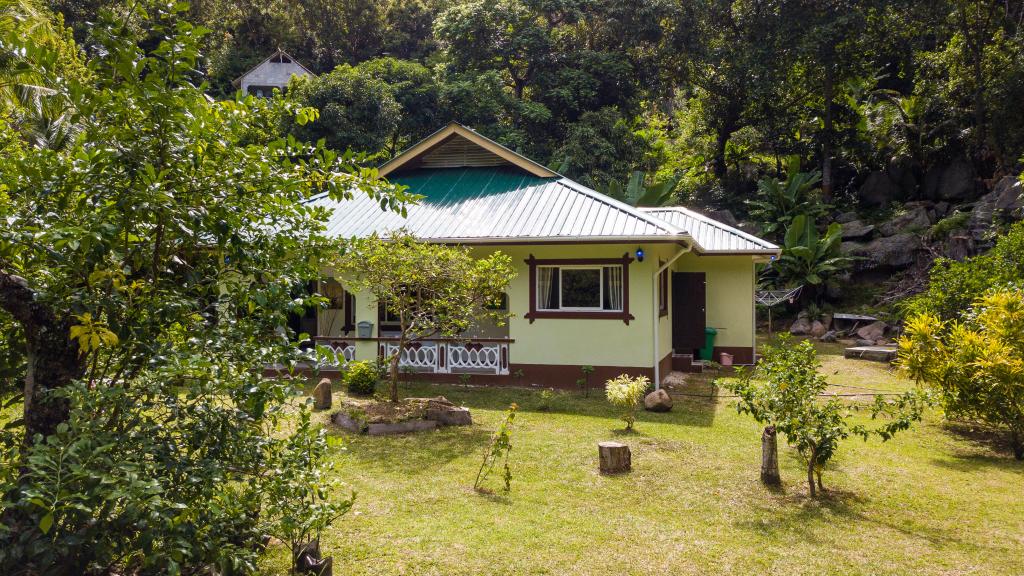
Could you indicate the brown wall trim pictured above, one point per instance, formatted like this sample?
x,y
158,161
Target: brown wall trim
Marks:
x,y
741,354
665,366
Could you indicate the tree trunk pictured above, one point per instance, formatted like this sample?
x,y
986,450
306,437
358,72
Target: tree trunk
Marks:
x,y
52,356
394,369
770,457
614,457
828,90
812,457
1017,443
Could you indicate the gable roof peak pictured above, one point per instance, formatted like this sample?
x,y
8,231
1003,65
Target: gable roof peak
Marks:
x,y
454,130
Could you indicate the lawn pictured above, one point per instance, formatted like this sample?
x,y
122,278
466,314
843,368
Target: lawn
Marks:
x,y
935,500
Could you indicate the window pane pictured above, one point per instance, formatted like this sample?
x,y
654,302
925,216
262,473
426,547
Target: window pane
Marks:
x,y
581,288
547,288
612,288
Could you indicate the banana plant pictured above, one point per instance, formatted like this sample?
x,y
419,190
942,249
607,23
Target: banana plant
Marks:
x,y
636,193
810,258
778,202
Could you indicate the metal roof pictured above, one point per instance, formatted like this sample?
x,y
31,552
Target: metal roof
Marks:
x,y
711,236
497,204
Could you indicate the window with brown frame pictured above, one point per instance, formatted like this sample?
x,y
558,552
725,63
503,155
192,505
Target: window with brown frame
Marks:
x,y
589,288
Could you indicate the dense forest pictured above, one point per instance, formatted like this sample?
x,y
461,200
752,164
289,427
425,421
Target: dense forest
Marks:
x,y
887,115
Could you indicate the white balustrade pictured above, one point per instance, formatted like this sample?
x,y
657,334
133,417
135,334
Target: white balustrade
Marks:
x,y
440,357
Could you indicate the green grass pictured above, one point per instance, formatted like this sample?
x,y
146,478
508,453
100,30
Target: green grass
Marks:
x,y
932,501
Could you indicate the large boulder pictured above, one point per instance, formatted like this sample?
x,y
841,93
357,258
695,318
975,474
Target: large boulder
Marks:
x,y
800,327
1004,202
913,220
846,217
874,331
887,252
902,171
818,329
658,401
951,181
878,189
724,216
856,230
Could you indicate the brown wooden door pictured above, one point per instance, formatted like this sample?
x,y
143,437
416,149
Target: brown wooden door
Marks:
x,y
689,313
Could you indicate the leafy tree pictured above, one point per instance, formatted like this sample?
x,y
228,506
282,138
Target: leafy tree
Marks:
x,y
434,290
413,87
357,110
977,365
786,390
149,263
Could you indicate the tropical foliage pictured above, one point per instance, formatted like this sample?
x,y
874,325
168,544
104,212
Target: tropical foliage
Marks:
x,y
809,258
976,364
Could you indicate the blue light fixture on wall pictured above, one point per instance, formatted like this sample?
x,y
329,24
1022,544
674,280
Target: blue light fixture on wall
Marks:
x,y
639,254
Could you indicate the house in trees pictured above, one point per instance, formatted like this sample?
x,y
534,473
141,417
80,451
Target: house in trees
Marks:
x,y
273,72
600,283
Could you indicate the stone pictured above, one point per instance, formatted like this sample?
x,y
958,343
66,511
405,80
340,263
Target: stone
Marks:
x,y
856,230
878,189
846,217
351,422
322,395
1003,203
453,416
800,327
658,401
941,209
614,457
901,171
887,252
950,181
389,428
862,342
830,336
914,219
818,329
873,331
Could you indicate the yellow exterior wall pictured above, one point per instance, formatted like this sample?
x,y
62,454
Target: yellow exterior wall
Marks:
x,y
611,342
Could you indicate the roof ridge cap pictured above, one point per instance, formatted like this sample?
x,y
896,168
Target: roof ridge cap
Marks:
x,y
731,229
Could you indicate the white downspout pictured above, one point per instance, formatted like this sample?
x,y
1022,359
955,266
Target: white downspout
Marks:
x,y
655,317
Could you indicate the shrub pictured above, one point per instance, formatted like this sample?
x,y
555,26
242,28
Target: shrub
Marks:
x,y
361,378
625,393
953,287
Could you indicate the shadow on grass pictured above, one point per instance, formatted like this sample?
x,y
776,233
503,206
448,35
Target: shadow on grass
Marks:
x,y
987,445
418,453
687,411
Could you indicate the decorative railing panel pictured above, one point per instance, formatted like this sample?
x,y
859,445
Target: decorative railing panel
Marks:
x,y
437,356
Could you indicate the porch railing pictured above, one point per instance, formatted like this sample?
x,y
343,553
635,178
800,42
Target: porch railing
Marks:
x,y
438,356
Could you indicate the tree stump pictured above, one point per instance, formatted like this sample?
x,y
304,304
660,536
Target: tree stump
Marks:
x,y
615,457
322,395
770,457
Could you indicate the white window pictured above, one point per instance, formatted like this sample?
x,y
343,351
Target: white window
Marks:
x,y
579,288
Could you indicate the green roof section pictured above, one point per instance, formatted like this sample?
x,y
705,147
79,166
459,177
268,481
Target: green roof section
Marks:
x,y
497,204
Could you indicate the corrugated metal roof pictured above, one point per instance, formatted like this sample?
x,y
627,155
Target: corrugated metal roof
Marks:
x,y
497,204
710,235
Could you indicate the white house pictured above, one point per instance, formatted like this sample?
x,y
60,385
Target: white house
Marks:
x,y
273,72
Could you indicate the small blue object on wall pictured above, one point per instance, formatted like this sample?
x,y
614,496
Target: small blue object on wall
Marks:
x,y
639,254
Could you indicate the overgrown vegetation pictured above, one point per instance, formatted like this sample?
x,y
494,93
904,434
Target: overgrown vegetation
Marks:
x,y
976,364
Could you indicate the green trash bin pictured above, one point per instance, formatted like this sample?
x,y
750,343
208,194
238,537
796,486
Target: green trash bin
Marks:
x,y
709,343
